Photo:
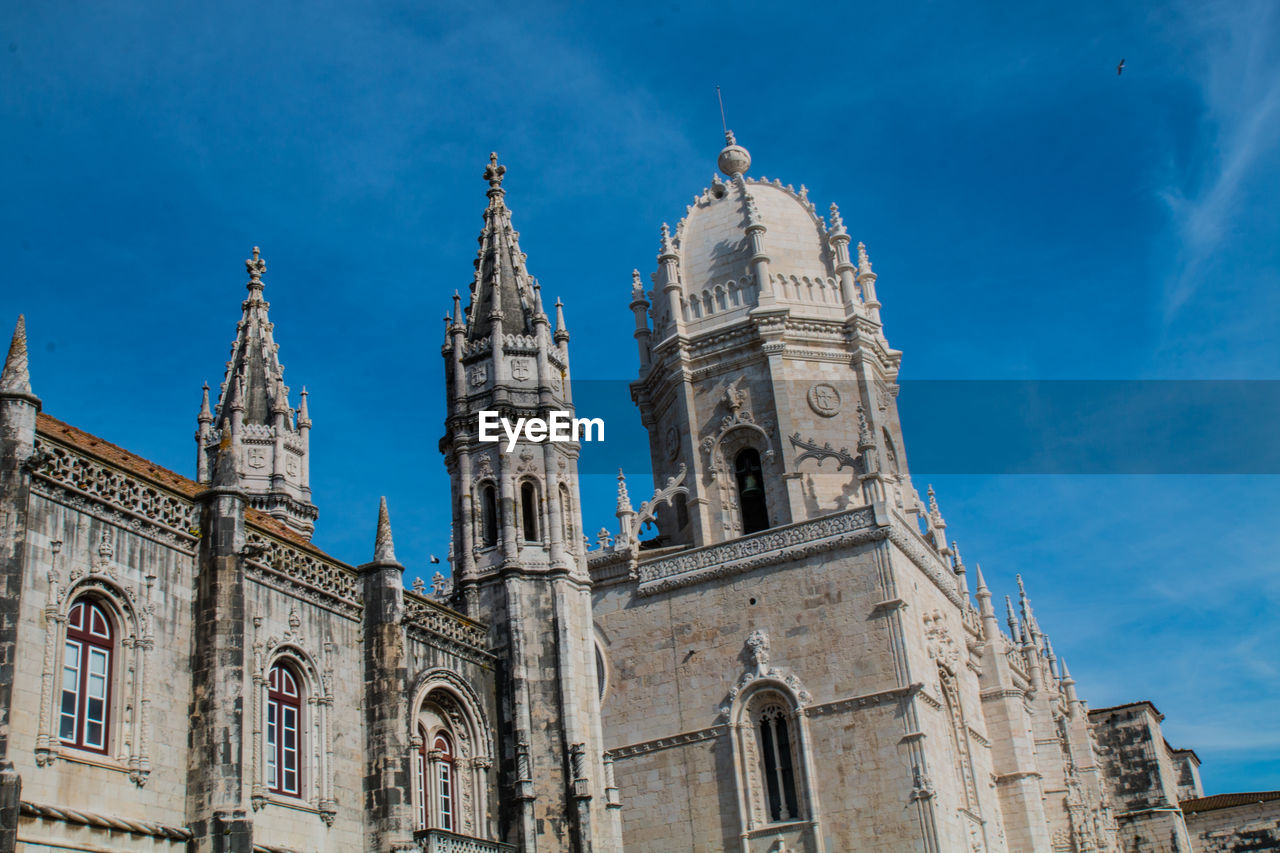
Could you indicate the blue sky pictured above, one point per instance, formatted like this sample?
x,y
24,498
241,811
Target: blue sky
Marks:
x,y
1031,215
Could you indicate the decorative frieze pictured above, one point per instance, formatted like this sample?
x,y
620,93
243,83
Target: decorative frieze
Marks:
x,y
439,625
301,574
780,544
94,488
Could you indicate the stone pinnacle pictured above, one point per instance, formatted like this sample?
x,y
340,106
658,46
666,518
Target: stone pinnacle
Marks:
x,y
384,550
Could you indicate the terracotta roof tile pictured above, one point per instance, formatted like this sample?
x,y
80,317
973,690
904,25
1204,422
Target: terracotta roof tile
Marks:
x,y
1226,801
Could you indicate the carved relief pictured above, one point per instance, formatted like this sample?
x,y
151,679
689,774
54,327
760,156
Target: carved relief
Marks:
x,y
521,369
824,399
939,643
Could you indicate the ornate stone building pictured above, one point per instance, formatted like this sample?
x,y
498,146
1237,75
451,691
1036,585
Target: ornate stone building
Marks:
x,y
799,660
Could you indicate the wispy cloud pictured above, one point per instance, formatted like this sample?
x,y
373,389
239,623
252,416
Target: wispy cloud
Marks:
x,y
1239,80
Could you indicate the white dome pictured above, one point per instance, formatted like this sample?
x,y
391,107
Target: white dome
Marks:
x,y
714,247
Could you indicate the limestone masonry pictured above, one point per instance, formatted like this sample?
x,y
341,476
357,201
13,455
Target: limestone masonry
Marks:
x,y
799,660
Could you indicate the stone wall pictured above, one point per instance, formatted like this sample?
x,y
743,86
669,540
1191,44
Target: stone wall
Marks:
x,y
1234,823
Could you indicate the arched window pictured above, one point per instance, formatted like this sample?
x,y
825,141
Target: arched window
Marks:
x,y
488,515
778,763
85,712
746,469
445,802
284,728
682,512
529,511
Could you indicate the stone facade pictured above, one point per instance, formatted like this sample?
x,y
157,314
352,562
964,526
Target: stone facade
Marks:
x,y
799,660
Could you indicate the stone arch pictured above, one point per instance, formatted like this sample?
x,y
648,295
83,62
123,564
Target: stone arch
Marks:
x,y
316,748
129,701
443,701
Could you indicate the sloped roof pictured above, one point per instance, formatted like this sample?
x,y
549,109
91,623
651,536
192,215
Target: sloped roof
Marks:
x,y
1226,801
118,457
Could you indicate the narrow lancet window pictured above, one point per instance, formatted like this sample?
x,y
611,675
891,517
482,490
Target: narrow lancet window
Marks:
x,y
488,516
775,748
750,477
529,511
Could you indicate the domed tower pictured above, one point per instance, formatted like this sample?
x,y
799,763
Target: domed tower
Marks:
x,y
763,364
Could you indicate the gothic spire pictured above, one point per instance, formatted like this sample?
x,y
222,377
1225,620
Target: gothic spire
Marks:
x,y
501,293
206,414
384,550
254,356
16,380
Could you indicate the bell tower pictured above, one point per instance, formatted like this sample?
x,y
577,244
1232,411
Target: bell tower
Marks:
x,y
519,556
764,368
271,439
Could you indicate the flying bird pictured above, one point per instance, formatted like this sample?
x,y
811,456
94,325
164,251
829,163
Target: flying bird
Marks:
x,y
1120,68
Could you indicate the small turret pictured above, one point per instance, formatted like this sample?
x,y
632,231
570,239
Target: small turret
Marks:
x,y
867,281
254,407
624,512
203,431
640,308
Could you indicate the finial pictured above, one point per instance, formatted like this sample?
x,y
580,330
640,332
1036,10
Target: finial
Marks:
x,y
955,551
637,287
16,379
560,327
734,160
384,550
837,223
624,500
304,415
206,415
255,266
457,309
668,250
864,262
753,212
494,172
982,582
1013,620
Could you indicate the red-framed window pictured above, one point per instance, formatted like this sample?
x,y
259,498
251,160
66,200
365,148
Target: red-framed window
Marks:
x,y
85,713
284,731
445,802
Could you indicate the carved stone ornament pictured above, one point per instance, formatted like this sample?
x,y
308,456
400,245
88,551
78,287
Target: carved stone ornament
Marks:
x,y
757,644
521,369
940,644
672,443
255,457
825,400
478,375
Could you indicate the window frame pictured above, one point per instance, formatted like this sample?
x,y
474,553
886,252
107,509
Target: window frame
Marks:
x,y
86,642
280,701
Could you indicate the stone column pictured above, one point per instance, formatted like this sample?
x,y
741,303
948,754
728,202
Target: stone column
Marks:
x,y
18,410
388,804
217,811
